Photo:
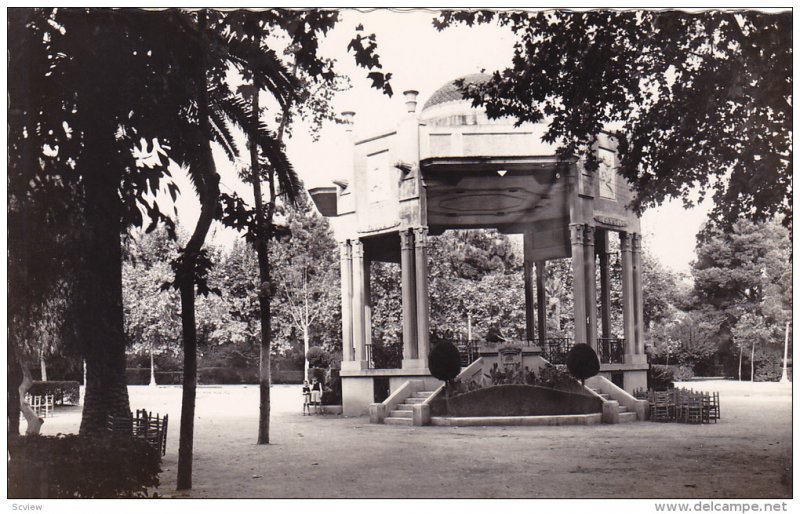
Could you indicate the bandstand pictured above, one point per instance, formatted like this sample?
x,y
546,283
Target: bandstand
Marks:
x,y
449,167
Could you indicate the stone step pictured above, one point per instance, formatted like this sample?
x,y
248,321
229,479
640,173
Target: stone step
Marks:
x,y
422,394
622,409
404,407
415,400
398,421
627,417
400,414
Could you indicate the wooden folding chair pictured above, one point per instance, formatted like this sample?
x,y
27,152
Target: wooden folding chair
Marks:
x,y
694,408
662,405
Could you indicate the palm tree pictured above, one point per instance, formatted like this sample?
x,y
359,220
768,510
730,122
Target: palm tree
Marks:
x,y
88,85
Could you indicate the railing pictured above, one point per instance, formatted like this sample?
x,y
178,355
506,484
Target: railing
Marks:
x,y
368,355
555,349
468,351
611,350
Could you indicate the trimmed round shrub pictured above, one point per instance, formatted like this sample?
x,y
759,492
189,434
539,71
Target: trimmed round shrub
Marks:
x,y
318,358
444,361
582,362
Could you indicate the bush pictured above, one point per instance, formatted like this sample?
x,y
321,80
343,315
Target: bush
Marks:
x,y
444,361
681,373
387,354
516,400
660,377
318,373
163,361
556,377
287,376
61,367
71,466
63,391
230,355
332,393
582,362
208,376
318,358
141,376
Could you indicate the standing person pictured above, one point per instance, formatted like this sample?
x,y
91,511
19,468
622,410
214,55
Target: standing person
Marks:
x,y
316,395
306,398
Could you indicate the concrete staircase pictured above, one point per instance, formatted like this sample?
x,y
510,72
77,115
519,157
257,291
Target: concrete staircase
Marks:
x,y
401,415
625,416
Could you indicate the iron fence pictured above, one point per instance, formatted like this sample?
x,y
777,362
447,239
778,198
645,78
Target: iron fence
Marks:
x,y
611,350
555,349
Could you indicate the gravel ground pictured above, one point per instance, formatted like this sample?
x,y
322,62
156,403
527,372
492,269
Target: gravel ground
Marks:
x,y
748,454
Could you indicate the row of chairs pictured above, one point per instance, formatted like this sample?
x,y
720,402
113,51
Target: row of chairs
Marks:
x,y
42,405
144,425
683,406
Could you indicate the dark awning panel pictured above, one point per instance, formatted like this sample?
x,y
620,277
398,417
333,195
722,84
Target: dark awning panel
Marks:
x,y
325,200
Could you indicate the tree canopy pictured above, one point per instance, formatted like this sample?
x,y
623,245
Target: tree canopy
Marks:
x,y
699,101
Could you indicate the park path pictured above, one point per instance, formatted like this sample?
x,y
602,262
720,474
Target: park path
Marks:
x,y
746,455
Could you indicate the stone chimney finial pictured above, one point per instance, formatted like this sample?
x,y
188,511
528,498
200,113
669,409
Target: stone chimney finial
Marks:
x,y
348,120
411,100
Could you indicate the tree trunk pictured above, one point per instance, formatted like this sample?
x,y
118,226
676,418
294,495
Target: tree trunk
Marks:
x,y
152,368
42,365
262,254
753,362
189,388
207,184
306,343
13,381
741,350
100,319
34,422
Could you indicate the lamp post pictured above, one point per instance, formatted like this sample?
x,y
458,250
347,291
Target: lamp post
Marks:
x,y
784,376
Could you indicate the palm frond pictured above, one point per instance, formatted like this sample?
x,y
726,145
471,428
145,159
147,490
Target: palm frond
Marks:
x,y
274,154
236,108
221,132
267,68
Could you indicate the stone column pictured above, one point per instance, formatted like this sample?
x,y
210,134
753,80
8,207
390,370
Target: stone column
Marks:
x,y
578,282
409,294
627,292
367,310
530,321
359,336
605,284
347,301
423,305
638,294
591,285
541,301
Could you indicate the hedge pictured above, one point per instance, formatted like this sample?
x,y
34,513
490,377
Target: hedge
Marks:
x,y
515,400
63,391
215,375
71,466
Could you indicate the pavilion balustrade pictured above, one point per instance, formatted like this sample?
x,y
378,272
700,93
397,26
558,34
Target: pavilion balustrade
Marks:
x,y
611,350
555,349
368,356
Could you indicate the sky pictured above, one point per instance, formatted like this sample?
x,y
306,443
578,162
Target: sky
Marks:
x,y
423,59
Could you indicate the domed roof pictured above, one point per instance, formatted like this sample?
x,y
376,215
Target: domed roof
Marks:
x,y
451,93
